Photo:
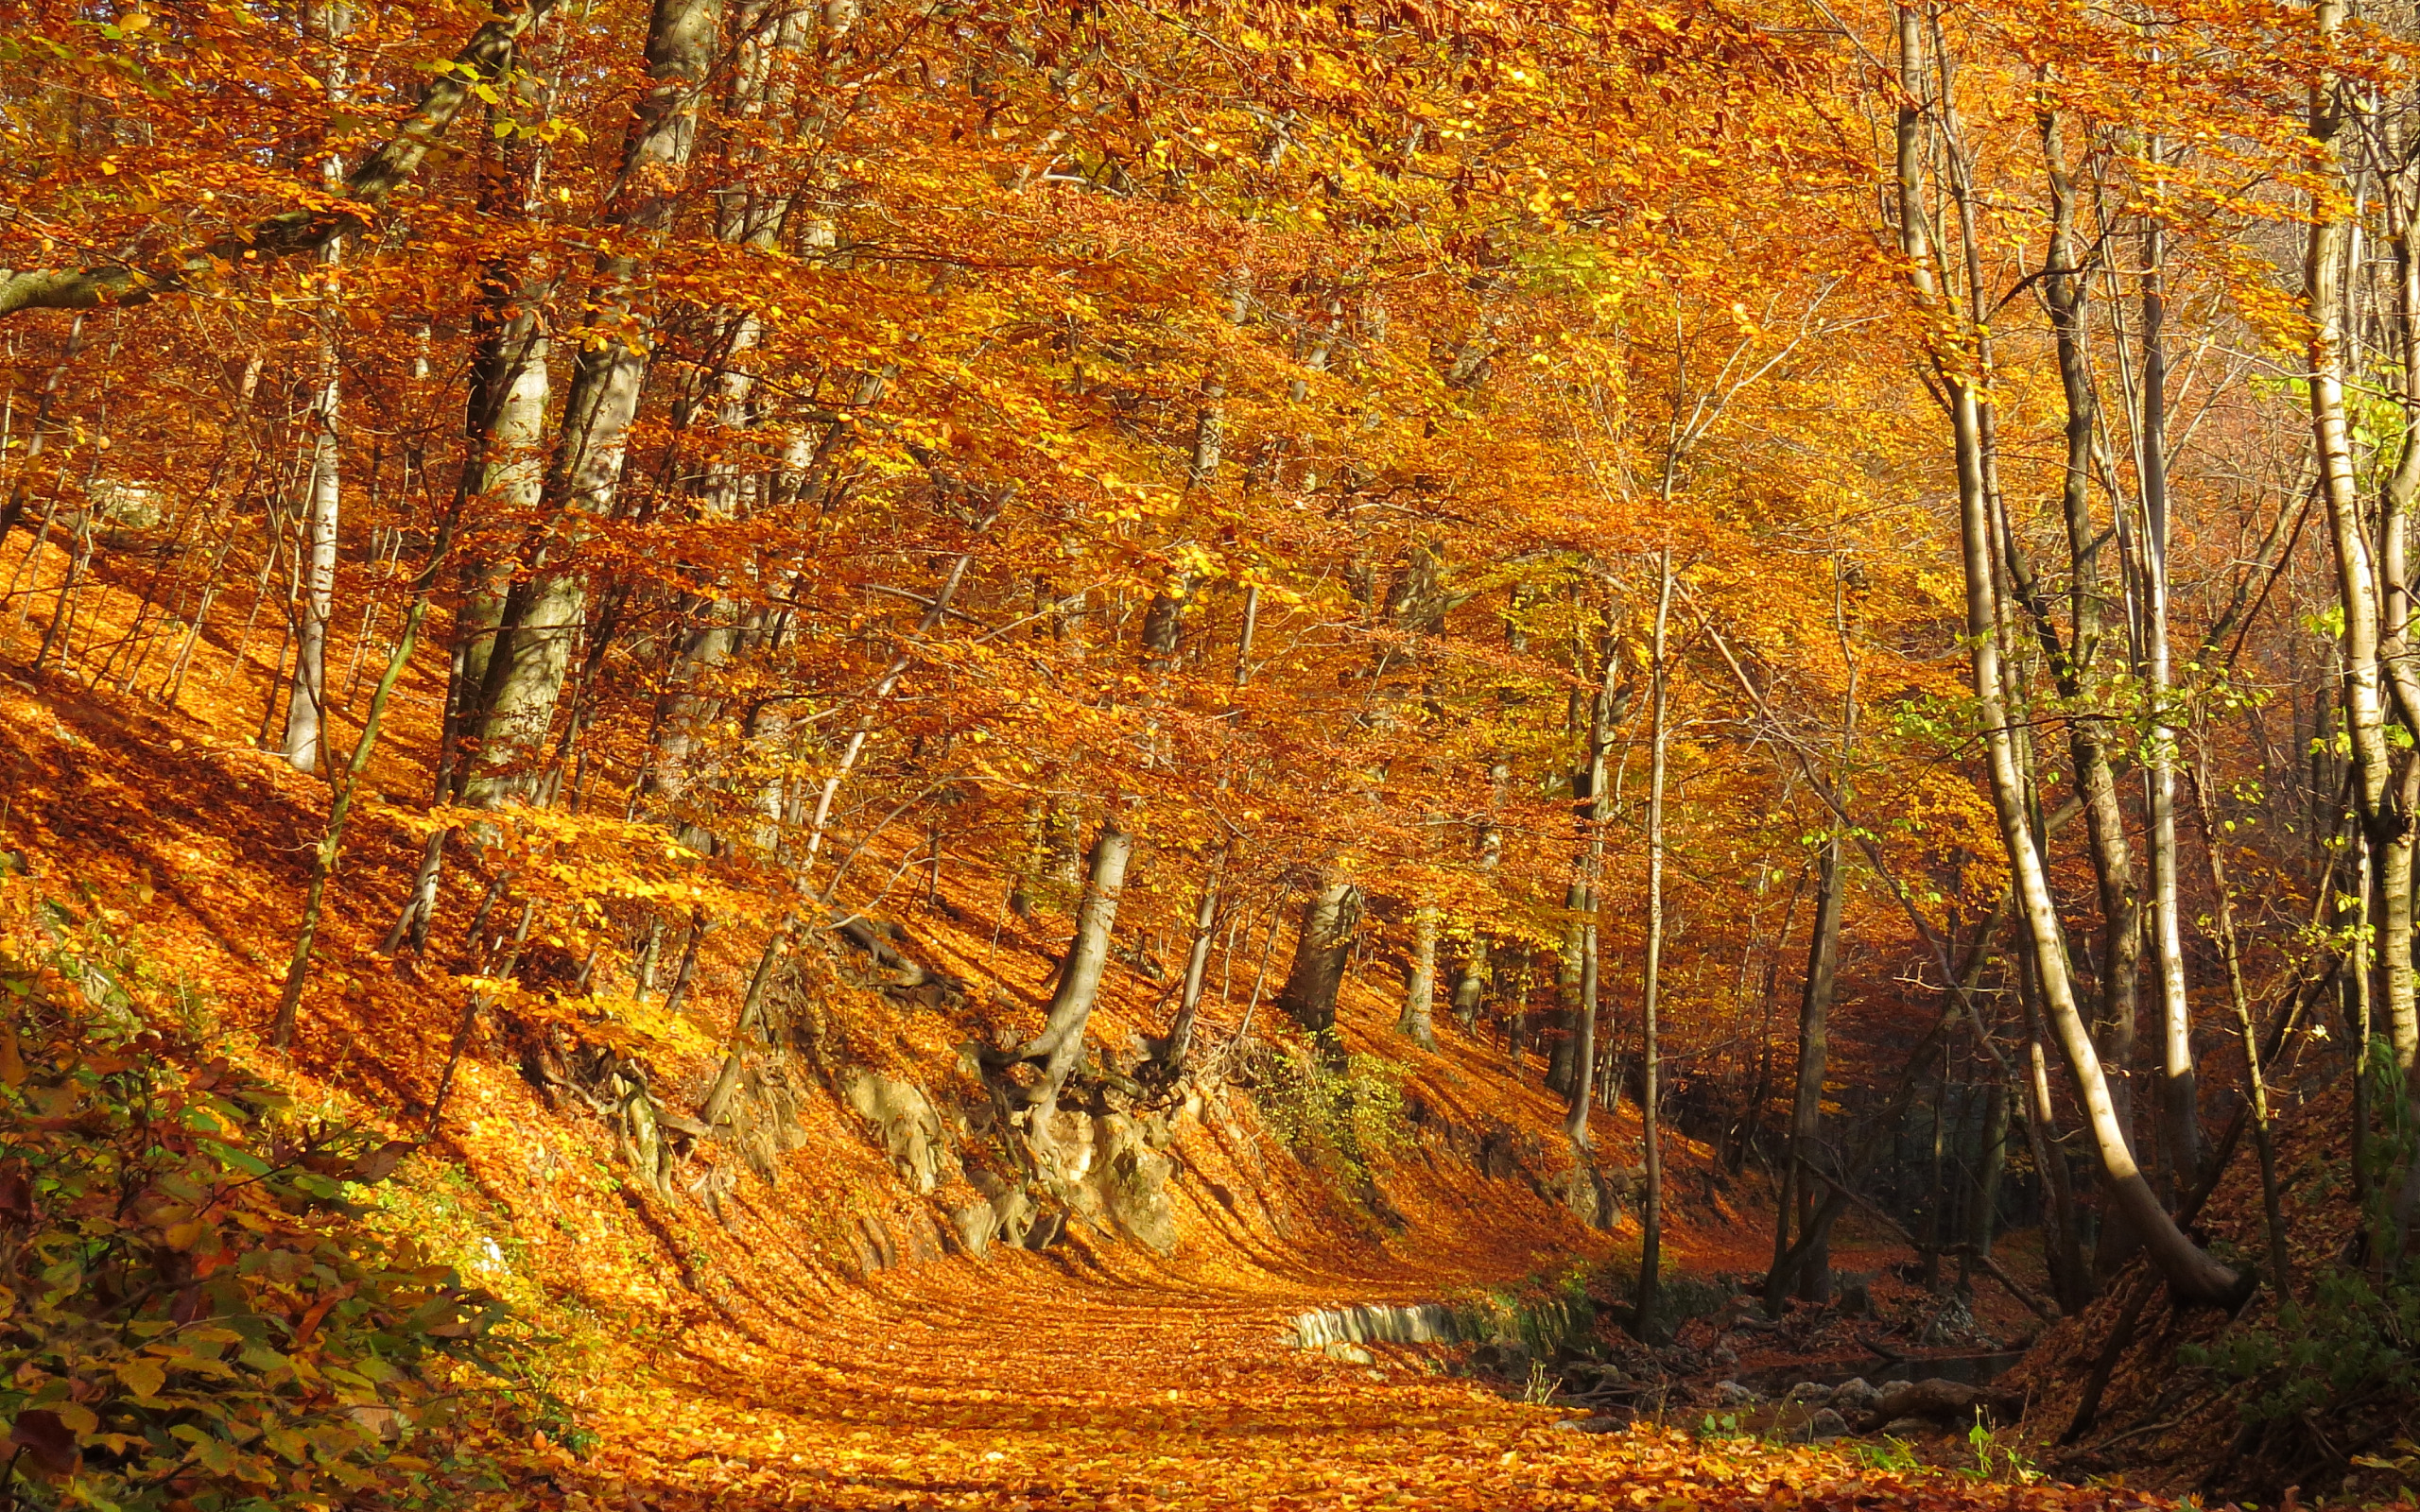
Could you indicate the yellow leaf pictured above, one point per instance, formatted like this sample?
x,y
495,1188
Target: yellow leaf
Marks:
x,y
143,1377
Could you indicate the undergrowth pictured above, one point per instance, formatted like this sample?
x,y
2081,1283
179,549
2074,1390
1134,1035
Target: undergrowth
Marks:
x,y
1340,1113
1545,1312
196,1315
2342,1349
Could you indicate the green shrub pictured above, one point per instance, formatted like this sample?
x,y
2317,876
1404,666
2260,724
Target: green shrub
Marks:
x,y
1549,1310
1680,1296
192,1318
2354,1339
1339,1111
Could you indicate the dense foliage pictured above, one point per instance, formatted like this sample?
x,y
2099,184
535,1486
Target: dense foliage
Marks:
x,y
196,1315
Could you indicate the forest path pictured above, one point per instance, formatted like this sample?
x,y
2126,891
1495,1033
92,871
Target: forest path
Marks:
x,y
1037,1391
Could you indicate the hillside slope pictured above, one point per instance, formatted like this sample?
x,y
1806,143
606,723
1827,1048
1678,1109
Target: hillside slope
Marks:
x,y
812,1278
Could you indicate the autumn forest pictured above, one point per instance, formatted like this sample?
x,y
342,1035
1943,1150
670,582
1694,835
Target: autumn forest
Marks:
x,y
1227,753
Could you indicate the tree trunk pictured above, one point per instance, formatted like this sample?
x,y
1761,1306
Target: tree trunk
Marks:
x,y
1592,805
2395,499
2255,1082
1806,1104
541,617
1985,1218
1650,1252
2180,1101
1059,1047
1320,950
1418,1022
1569,964
2062,1239
2193,1276
2077,666
1584,1039
1470,984
308,700
306,705
2378,794
347,783
718,1103
1197,970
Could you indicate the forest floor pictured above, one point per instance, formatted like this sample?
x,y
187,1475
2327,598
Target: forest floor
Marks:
x,y
741,1361
1122,1395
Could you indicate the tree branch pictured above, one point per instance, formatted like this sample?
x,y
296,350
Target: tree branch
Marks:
x,y
483,58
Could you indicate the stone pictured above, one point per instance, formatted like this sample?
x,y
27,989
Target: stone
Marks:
x,y
1904,1427
976,1224
1131,1178
1731,1394
1048,1228
1426,1323
1348,1354
1602,1423
1585,1376
1807,1391
1853,1398
904,1121
1933,1398
1823,1427
1510,1360
1015,1213
1589,1195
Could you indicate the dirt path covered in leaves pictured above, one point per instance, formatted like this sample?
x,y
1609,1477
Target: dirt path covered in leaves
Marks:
x,y
1046,1393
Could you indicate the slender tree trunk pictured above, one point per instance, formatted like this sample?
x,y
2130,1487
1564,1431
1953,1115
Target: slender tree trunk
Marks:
x,y
1806,1104
1592,806
2063,1241
1985,1218
307,698
420,903
306,705
1059,1047
2256,1083
1568,968
324,855
2180,1101
2077,666
700,925
1418,1022
2193,1275
1197,970
1650,1254
2401,605
2378,794
726,1084
1585,1056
